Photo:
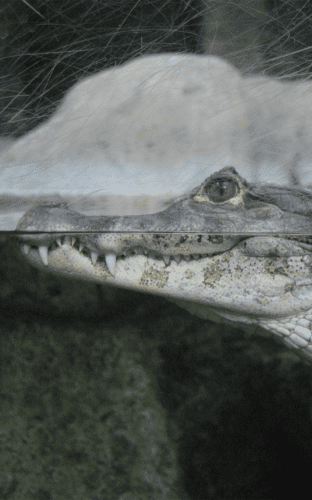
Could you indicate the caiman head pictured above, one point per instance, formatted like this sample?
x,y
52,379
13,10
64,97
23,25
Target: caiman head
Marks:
x,y
227,251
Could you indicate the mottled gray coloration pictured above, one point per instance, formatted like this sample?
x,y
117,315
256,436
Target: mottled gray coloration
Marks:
x,y
228,251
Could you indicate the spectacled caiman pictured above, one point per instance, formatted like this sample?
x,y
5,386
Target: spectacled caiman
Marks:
x,y
229,251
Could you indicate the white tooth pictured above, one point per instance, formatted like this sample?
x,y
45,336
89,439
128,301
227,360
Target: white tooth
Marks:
x,y
43,252
177,258
94,256
187,257
73,241
166,259
195,256
110,259
25,249
67,240
59,242
80,247
145,251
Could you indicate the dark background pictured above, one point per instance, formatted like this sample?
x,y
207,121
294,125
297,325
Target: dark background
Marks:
x,y
47,46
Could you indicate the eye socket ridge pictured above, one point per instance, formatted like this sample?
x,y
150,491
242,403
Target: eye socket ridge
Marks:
x,y
225,187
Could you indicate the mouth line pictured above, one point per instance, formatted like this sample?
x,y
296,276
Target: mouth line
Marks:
x,y
109,258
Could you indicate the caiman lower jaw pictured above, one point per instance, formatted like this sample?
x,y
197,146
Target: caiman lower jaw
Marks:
x,y
245,285
258,293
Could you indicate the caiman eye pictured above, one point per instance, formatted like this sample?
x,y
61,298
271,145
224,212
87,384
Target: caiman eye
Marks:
x,y
221,190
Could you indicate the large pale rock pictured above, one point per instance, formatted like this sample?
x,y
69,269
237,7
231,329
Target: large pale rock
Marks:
x,y
129,139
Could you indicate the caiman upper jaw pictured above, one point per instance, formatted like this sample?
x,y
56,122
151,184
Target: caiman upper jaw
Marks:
x,y
224,204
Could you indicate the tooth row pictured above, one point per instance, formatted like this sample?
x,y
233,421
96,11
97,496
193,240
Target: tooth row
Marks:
x,y
110,258
178,258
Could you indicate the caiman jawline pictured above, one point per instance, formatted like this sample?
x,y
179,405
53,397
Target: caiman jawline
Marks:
x,y
110,257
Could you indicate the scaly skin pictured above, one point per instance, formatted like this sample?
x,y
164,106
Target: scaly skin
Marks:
x,y
228,251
